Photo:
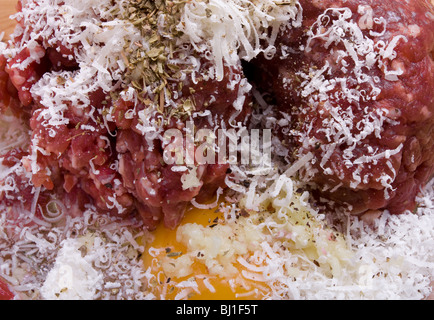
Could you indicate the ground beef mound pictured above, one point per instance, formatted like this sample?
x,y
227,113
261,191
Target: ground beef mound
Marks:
x,y
158,189
353,86
356,81
98,154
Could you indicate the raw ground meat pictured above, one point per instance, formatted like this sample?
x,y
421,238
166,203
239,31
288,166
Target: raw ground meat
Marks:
x,y
114,166
371,130
5,293
158,190
355,82
79,161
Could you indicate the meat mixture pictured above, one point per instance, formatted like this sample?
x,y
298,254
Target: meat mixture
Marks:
x,y
356,82
353,82
91,141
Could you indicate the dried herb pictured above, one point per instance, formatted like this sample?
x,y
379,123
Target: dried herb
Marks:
x,y
149,65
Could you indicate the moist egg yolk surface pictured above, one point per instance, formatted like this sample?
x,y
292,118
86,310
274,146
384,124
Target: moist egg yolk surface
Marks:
x,y
165,246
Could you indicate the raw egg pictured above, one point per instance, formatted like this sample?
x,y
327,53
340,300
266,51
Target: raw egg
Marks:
x,y
197,283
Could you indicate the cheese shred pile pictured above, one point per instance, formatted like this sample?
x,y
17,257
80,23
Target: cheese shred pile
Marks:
x,y
228,31
274,237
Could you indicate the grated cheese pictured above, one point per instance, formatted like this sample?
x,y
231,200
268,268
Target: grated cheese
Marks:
x,y
190,180
74,258
284,244
233,30
72,277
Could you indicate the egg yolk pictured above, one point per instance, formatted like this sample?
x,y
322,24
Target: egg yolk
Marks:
x,y
208,288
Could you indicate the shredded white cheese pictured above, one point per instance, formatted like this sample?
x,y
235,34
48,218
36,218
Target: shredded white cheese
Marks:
x,y
72,277
284,244
234,29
